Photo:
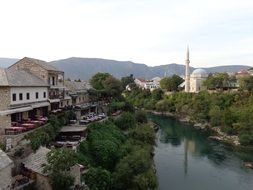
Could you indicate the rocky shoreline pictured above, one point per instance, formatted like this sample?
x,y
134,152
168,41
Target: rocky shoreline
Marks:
x,y
219,135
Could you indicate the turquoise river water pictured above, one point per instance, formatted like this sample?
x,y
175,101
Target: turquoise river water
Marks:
x,y
186,160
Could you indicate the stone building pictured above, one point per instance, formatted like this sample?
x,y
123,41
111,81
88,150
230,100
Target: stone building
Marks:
x,y
6,165
197,78
193,82
35,162
148,84
23,95
58,96
78,91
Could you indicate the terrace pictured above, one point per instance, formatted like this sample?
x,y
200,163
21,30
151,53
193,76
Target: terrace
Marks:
x,y
24,125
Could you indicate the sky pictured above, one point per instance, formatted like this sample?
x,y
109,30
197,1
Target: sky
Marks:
x,y
154,32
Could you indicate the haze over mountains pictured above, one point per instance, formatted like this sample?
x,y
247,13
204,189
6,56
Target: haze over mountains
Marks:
x,y
85,68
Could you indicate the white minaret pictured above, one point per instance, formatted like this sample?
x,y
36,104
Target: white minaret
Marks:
x,y
187,71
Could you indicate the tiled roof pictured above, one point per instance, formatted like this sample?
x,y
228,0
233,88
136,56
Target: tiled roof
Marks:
x,y
76,86
4,160
35,161
23,78
41,63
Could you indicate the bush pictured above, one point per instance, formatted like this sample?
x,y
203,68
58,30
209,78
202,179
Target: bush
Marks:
x,y
141,116
98,179
246,139
126,121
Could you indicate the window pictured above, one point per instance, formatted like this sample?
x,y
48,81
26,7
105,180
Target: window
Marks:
x,y
28,96
20,96
53,78
14,97
44,95
37,95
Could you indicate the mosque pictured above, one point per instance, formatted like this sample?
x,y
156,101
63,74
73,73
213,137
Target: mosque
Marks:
x,y
194,82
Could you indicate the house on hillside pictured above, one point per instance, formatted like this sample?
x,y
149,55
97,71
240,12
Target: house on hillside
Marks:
x,y
78,91
58,95
148,84
33,166
24,102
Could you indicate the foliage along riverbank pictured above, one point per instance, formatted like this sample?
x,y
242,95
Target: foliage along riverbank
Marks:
x,y
119,154
228,113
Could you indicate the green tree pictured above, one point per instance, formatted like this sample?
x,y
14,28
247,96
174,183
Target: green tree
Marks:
x,y
127,80
98,179
141,116
171,83
157,94
143,133
59,162
219,81
163,105
246,83
133,172
112,86
215,115
98,79
126,121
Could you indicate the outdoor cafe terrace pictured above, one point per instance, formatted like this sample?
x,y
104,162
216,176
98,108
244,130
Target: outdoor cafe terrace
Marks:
x,y
18,127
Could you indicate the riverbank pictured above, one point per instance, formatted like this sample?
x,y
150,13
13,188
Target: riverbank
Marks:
x,y
219,135
186,159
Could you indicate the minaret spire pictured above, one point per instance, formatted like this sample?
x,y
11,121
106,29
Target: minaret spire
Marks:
x,y
187,71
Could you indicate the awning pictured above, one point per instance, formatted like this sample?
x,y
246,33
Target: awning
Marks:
x,y
17,110
54,100
38,105
67,98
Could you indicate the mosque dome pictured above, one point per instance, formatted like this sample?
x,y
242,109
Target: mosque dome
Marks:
x,y
199,72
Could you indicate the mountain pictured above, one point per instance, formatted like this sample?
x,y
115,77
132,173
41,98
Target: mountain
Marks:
x,y
6,62
85,68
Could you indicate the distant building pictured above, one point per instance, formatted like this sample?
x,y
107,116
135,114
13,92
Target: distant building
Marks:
x,y
193,82
148,84
242,73
78,91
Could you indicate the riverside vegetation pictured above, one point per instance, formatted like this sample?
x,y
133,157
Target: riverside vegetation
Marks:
x,y
231,111
118,152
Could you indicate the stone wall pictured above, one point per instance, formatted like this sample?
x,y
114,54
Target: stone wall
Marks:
x,y
42,182
75,172
5,99
5,121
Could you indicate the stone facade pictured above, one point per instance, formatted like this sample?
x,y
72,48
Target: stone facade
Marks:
x,y
75,172
5,121
65,103
5,98
42,182
81,98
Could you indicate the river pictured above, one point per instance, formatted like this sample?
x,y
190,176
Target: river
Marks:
x,y
186,160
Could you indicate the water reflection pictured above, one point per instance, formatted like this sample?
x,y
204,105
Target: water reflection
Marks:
x,y
201,159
